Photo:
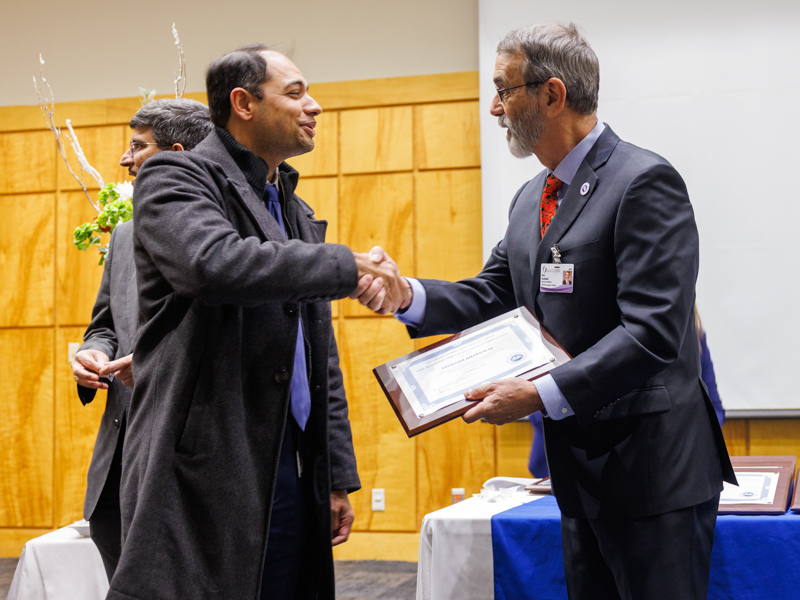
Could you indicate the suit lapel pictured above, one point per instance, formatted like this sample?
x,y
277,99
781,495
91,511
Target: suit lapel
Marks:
x,y
571,206
579,193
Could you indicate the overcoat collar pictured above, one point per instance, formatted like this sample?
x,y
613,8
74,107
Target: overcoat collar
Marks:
x,y
213,148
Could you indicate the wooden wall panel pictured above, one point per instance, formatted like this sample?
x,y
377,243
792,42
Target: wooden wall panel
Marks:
x,y
324,159
448,135
379,546
453,455
513,448
27,228
78,273
321,194
386,456
774,437
448,209
26,434
376,139
736,437
377,210
76,428
103,147
27,162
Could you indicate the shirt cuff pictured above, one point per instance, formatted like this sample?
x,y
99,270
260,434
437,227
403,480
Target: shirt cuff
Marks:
x,y
414,315
555,404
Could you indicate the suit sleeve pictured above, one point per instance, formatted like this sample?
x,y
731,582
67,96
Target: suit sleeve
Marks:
x,y
454,306
657,259
100,334
182,222
344,475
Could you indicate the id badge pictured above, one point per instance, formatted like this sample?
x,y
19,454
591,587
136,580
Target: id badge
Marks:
x,y
557,277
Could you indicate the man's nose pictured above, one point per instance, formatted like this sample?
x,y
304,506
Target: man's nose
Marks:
x,y
126,160
496,107
312,107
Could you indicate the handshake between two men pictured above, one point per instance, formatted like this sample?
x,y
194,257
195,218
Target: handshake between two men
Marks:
x,y
382,289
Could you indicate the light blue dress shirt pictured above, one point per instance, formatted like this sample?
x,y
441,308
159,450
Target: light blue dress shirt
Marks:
x,y
555,404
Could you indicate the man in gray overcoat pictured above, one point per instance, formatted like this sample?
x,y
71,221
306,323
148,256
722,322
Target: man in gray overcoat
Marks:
x,y
238,458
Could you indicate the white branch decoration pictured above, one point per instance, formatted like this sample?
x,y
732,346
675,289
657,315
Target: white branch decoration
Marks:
x,y
180,74
48,109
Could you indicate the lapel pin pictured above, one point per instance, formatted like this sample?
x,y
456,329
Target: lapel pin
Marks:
x,y
585,189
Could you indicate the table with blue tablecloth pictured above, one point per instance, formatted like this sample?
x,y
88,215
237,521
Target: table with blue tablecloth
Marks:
x,y
754,557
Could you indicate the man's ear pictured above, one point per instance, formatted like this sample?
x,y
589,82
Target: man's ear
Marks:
x,y
177,147
241,104
555,96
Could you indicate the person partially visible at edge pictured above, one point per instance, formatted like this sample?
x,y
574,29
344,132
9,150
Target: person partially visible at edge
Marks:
x,y
174,125
636,454
238,459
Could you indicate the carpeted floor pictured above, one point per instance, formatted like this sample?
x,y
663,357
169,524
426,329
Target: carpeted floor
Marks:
x,y
355,579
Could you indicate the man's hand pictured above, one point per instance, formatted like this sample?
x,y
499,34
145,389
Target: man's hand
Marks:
x,y
121,369
377,291
342,517
86,368
503,401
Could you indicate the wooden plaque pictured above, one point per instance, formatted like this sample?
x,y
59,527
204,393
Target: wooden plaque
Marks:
x,y
795,496
784,466
410,419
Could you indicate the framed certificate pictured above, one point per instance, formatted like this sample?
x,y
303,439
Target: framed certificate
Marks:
x,y
795,496
540,486
764,485
426,387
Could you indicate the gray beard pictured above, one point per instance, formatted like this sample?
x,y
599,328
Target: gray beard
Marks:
x,y
525,131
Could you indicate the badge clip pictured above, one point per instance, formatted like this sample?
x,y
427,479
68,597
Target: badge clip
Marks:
x,y
556,254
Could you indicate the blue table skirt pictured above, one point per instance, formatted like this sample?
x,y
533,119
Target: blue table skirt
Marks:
x,y
754,557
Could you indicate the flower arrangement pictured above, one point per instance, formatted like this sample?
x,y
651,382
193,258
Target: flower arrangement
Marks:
x,y
116,207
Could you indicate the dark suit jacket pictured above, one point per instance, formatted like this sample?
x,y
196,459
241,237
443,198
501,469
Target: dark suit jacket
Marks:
x,y
644,439
112,331
220,292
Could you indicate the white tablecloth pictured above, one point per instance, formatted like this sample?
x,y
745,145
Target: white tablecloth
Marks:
x,y
455,549
61,565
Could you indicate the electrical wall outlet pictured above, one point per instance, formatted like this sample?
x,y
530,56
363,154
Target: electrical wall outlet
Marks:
x,y
378,499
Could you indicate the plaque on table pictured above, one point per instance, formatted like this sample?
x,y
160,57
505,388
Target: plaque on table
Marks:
x,y
795,496
764,486
540,486
426,387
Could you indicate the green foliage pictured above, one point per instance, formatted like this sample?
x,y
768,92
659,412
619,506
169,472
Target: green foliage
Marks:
x,y
116,208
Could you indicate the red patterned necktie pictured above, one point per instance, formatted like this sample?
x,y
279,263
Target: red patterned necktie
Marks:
x,y
549,201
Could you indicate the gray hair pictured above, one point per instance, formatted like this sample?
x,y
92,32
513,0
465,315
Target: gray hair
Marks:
x,y
555,50
182,121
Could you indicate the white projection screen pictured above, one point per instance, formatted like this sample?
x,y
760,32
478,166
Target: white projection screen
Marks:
x,y
714,87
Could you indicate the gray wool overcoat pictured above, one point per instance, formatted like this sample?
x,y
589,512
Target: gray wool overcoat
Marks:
x,y
220,293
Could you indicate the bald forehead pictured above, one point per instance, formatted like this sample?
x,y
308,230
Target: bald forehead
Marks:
x,y
280,67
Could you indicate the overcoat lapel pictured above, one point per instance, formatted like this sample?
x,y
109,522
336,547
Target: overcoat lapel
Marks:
x,y
213,148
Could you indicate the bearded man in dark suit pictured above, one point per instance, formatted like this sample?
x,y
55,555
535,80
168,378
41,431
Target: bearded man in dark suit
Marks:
x,y
636,455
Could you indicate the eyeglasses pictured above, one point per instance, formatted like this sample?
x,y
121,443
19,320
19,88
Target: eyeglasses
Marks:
x,y
504,90
136,146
